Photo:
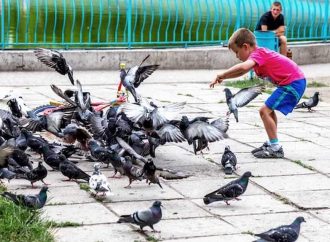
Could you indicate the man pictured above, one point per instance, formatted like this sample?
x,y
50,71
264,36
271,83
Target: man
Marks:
x,y
273,20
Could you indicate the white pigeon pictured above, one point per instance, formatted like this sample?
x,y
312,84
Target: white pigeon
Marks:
x,y
12,94
98,182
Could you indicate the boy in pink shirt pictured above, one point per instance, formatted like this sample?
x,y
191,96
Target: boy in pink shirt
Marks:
x,y
276,68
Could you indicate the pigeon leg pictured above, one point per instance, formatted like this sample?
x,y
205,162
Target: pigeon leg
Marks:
x,y
32,185
130,182
227,202
67,180
238,199
44,182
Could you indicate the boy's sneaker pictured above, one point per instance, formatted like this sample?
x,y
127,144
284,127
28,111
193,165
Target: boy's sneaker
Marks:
x,y
269,153
263,147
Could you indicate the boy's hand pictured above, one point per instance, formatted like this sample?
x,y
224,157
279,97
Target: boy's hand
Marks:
x,y
217,80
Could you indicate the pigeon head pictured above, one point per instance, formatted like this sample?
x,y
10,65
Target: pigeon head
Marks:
x,y
300,220
316,93
228,93
247,174
44,189
227,148
97,166
184,122
157,204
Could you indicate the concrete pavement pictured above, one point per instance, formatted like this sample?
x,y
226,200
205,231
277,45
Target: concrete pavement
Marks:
x,y
282,189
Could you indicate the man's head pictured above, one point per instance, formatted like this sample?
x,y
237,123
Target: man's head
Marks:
x,y
242,42
276,9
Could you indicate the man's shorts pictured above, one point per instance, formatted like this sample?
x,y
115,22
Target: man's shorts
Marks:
x,y
285,98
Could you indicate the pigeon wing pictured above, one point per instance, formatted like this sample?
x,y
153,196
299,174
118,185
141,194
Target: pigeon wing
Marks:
x,y
143,73
221,124
134,112
203,130
53,59
246,95
164,114
170,133
60,93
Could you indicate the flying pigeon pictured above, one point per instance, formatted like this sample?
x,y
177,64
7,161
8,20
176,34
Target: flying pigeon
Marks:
x,y
55,60
230,191
241,98
310,103
143,218
284,233
228,161
29,201
135,76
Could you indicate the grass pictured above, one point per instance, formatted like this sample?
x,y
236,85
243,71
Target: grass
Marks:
x,y
19,224
152,239
247,232
54,224
316,84
187,94
299,162
244,83
84,186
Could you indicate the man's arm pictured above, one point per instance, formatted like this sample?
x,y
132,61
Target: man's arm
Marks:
x,y
280,30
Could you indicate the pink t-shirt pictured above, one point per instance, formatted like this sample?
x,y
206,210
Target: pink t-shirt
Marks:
x,y
275,67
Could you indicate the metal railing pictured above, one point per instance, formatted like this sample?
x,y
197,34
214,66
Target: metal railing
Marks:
x,y
149,23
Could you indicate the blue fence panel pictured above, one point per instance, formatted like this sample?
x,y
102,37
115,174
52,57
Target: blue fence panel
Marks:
x,y
149,23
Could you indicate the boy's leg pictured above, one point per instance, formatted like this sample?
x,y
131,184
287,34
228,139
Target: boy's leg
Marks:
x,y
273,149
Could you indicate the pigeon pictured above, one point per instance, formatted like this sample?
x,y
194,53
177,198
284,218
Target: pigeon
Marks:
x,y
241,98
135,76
7,174
228,161
143,218
149,172
98,182
230,191
284,233
70,170
29,201
36,174
199,129
310,103
132,172
55,60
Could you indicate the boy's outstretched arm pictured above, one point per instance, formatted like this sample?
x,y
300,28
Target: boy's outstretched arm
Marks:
x,y
235,71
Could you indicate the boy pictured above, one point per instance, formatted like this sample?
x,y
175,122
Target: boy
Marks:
x,y
278,69
274,20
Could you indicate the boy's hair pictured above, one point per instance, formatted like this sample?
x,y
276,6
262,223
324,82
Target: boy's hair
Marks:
x,y
277,4
240,37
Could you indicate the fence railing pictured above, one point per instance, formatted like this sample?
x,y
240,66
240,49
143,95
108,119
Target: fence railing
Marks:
x,y
148,23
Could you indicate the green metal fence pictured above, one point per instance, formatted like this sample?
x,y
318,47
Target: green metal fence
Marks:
x,y
148,23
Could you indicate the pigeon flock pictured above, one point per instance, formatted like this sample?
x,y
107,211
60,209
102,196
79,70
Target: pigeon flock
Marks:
x,y
117,133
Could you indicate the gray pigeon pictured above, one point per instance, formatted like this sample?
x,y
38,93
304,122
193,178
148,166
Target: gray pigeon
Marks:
x,y
143,218
228,161
230,191
310,103
241,98
29,201
55,60
6,174
284,233
135,76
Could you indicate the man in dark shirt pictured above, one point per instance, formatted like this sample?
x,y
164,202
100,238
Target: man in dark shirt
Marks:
x,y
273,20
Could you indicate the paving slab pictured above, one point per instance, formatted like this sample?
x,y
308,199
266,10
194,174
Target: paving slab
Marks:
x,y
183,228
222,238
309,182
186,186
172,209
309,199
256,204
273,168
98,233
77,213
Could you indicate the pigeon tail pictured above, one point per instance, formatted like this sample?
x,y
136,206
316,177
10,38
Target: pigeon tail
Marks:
x,y
125,219
236,115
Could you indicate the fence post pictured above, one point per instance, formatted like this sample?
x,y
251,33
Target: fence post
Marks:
x,y
2,23
129,23
238,14
325,24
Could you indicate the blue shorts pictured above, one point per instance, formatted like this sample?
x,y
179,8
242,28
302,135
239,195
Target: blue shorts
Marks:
x,y
285,98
